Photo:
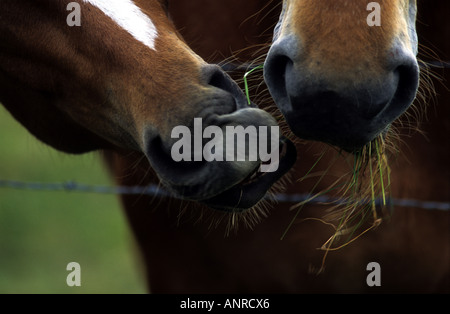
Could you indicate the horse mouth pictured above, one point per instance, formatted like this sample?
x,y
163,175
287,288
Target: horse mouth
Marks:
x,y
252,189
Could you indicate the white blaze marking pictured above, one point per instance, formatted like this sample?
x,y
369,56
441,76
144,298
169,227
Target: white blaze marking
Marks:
x,y
130,17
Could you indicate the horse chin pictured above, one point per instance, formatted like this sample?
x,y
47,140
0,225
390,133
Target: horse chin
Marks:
x,y
252,189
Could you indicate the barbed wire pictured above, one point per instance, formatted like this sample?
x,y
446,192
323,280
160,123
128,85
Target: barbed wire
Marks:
x,y
158,191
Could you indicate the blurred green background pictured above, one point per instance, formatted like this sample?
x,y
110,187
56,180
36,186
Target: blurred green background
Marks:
x,y
41,232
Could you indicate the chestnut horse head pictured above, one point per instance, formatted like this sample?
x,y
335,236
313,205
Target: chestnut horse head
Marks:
x,y
123,79
342,71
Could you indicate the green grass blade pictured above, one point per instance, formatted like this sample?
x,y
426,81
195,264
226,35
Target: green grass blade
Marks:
x,y
247,93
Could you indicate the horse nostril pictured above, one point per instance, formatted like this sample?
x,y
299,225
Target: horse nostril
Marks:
x,y
407,85
214,76
278,67
275,75
217,78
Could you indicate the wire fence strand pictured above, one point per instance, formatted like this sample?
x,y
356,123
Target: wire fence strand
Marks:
x,y
158,191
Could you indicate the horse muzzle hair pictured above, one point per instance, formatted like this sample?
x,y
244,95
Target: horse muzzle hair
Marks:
x,y
338,78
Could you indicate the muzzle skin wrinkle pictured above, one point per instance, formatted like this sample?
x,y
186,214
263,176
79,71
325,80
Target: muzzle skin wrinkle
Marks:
x,y
335,78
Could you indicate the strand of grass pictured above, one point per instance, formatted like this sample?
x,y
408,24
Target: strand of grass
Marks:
x,y
357,165
247,92
381,171
388,170
332,187
374,225
327,246
303,203
355,201
347,216
331,240
313,166
319,220
346,220
325,255
374,210
362,220
325,192
348,212
381,161
389,181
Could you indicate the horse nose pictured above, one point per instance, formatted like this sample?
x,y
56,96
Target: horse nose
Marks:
x,y
346,108
215,77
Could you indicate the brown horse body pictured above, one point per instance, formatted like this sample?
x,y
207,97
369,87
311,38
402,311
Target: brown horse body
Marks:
x,y
183,248
185,255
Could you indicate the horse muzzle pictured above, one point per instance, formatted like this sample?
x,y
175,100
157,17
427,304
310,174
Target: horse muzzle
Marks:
x,y
227,155
346,108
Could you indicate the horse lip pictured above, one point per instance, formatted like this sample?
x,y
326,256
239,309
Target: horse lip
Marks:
x,y
248,193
